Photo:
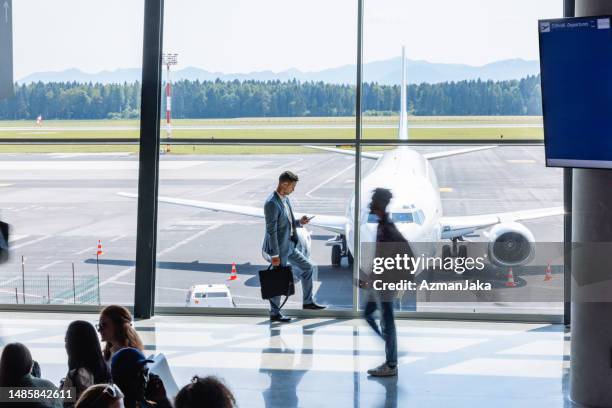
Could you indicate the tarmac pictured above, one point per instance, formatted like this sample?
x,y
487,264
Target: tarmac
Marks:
x,y
61,204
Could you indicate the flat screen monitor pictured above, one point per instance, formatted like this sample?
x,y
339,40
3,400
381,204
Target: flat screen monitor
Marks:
x,y
576,78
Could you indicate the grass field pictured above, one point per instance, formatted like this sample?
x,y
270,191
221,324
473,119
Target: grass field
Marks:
x,y
273,128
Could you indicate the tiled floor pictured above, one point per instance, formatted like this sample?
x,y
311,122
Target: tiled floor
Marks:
x,y
322,362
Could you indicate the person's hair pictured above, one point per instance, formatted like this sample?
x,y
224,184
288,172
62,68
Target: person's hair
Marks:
x,y
84,351
381,197
208,391
288,176
15,363
97,396
122,322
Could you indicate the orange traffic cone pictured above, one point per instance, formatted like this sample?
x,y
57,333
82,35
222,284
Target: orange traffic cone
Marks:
x,y
99,248
233,275
548,275
510,279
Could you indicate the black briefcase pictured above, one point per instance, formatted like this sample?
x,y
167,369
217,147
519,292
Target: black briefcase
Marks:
x,y
277,281
4,240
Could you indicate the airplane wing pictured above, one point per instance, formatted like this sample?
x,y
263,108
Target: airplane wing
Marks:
x,y
333,223
448,153
455,227
365,155
428,156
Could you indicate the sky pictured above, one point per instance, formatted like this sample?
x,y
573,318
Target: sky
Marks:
x,y
252,35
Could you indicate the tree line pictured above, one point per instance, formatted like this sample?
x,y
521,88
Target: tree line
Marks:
x,y
228,99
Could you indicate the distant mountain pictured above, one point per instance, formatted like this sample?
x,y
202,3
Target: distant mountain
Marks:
x,y
75,75
387,72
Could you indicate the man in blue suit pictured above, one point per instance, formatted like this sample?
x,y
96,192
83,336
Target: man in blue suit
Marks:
x,y
281,242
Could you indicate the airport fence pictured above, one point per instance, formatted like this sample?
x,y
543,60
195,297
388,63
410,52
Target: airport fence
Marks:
x,y
50,289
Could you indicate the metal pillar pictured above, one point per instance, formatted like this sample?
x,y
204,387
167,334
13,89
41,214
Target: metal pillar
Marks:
x,y
591,348
148,175
358,129
569,9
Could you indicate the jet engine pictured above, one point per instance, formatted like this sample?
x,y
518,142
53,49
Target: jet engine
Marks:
x,y
511,244
304,241
303,245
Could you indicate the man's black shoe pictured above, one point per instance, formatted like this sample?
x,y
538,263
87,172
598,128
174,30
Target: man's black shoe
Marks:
x,y
280,318
312,306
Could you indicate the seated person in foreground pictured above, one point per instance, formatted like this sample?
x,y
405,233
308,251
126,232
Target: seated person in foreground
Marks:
x,y
16,371
86,366
101,396
115,328
208,392
141,389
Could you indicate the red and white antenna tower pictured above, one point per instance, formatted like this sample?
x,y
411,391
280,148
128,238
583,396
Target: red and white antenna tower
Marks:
x,y
168,60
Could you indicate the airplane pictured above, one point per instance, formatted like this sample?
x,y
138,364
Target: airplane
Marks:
x,y
416,207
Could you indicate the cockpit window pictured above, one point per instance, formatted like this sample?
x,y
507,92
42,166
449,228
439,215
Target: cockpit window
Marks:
x,y
403,217
419,217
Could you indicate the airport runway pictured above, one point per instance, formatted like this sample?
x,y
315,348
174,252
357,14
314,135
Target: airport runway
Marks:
x,y
270,126
61,204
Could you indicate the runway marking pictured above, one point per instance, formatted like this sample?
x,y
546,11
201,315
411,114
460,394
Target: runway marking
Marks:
x,y
71,155
199,223
6,282
309,194
191,238
252,177
17,237
446,189
156,287
91,165
117,238
126,271
521,161
31,242
6,184
319,165
92,249
50,264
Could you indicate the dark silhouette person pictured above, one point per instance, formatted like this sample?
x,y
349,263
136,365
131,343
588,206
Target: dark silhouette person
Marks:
x,y
140,389
389,242
86,365
115,328
207,392
16,371
101,396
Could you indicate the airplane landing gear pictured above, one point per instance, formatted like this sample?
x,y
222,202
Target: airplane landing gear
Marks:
x,y
339,251
336,255
454,250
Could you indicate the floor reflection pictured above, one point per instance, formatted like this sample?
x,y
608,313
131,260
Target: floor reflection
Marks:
x,y
283,383
323,362
391,392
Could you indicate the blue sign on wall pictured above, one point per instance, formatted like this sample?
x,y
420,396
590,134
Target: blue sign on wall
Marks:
x,y
576,75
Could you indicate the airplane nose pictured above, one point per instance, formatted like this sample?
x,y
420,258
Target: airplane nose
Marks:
x,y
411,232
368,232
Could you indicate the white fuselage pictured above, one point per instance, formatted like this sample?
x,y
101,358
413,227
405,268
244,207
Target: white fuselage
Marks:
x,y
416,207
